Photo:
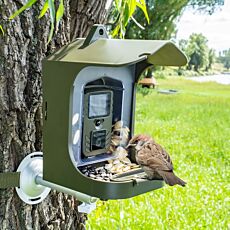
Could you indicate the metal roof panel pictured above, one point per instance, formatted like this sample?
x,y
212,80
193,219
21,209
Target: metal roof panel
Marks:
x,y
116,52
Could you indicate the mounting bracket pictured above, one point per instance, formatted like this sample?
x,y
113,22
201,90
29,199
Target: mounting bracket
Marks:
x,y
33,189
29,191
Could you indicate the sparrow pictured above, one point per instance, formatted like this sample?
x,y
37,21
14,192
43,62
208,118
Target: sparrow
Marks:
x,y
154,160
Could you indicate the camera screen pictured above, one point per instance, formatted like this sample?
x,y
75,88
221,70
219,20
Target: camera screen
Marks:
x,y
99,105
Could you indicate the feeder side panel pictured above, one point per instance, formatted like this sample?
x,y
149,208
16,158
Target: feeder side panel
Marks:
x,y
58,80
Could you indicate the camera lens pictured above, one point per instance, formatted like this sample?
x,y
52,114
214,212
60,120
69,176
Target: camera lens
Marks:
x,y
98,140
97,122
98,143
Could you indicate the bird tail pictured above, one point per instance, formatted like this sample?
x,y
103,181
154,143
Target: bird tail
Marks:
x,y
171,179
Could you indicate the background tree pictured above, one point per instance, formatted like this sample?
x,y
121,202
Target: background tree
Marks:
x,y
197,51
183,43
163,17
211,58
224,58
22,48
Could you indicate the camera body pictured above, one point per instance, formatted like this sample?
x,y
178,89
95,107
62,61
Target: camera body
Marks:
x,y
97,121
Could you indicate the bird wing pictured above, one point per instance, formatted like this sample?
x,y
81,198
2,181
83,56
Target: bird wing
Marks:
x,y
155,157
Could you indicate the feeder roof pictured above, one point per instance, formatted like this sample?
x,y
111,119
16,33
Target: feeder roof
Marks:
x,y
116,52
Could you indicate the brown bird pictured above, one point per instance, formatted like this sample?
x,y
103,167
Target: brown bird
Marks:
x,y
154,160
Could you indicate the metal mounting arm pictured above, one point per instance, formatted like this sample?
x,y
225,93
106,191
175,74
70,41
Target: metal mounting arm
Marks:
x,y
33,189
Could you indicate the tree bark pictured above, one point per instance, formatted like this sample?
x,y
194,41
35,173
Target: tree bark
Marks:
x,y
22,48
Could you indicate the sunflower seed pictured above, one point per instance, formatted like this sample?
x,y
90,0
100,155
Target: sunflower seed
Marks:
x,y
125,169
108,166
135,166
116,162
126,160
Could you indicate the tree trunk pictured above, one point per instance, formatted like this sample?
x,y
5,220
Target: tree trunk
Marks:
x,y
22,48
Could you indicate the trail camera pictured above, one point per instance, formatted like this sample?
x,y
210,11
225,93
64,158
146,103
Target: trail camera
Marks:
x,y
89,106
97,123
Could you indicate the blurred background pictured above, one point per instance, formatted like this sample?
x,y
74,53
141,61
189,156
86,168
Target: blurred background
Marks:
x,y
193,124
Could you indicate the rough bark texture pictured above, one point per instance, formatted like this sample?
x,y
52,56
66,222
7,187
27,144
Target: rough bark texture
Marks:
x,y
21,51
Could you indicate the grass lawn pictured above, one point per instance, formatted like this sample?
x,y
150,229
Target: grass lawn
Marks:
x,y
194,127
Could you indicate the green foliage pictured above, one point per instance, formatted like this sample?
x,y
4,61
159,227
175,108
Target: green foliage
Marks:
x,y
1,30
123,12
227,65
198,53
183,43
60,12
163,17
52,18
211,58
193,126
206,6
143,90
44,9
224,58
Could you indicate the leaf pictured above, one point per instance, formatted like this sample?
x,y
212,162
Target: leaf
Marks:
x,y
132,7
26,6
44,9
116,30
143,7
126,10
126,16
52,11
52,18
60,12
118,3
1,29
51,32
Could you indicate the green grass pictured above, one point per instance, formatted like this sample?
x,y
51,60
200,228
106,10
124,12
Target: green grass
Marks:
x,y
194,127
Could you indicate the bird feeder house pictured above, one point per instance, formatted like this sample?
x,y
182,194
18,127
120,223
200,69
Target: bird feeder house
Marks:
x,y
89,106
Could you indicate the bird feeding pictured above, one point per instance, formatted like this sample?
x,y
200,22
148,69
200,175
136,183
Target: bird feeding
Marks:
x,y
89,89
150,156
155,161
120,164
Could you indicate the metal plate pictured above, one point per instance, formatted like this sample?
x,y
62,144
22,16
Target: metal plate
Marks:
x,y
29,168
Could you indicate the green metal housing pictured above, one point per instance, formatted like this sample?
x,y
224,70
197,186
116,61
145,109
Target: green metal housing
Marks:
x,y
99,56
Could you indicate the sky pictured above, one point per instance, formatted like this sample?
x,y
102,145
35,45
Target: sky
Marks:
x,y
215,27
